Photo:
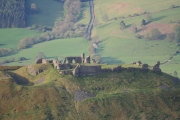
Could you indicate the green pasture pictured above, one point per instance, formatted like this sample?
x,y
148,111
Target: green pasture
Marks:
x,y
113,27
127,50
59,48
117,8
115,50
121,46
9,38
49,12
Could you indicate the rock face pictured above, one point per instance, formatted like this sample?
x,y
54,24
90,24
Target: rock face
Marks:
x,y
82,95
33,70
156,67
86,70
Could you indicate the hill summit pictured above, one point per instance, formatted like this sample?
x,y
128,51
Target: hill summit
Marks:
x,y
126,94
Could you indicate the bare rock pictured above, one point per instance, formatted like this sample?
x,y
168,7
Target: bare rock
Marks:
x,y
32,70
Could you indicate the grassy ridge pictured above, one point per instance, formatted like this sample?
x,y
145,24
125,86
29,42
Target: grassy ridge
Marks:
x,y
124,95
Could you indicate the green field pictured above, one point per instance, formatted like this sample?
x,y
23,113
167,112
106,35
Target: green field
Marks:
x,y
121,46
49,12
59,48
117,8
9,38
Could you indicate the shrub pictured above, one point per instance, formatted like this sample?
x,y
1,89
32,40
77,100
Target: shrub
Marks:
x,y
122,25
143,22
171,36
154,34
139,36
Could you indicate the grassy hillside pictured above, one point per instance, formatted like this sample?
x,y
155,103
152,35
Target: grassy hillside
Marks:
x,y
122,46
124,95
49,12
117,8
11,37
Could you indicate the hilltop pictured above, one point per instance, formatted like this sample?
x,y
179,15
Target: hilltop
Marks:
x,y
128,94
108,43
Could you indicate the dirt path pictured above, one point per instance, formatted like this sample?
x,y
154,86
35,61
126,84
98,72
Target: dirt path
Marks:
x,y
92,17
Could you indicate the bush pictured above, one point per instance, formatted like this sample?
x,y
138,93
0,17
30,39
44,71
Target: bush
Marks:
x,y
143,22
171,36
139,36
154,34
122,25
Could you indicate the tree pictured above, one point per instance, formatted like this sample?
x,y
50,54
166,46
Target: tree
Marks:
x,y
143,22
122,25
171,36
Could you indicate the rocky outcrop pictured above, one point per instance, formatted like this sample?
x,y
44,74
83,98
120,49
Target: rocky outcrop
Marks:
x,y
82,95
32,70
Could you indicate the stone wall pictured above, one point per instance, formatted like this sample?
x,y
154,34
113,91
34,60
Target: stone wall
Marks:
x,y
65,66
86,70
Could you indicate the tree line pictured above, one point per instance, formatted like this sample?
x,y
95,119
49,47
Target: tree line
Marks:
x,y
12,13
66,28
4,52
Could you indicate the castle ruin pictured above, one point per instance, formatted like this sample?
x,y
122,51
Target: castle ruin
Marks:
x,y
84,66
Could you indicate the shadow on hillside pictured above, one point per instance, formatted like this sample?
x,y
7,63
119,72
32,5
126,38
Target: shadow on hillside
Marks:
x,y
104,25
111,60
54,57
20,79
127,26
158,18
83,8
2,44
